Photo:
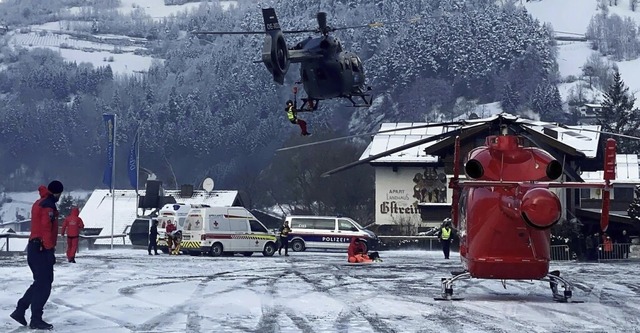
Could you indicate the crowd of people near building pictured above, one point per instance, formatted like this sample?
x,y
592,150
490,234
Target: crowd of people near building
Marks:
x,y
600,246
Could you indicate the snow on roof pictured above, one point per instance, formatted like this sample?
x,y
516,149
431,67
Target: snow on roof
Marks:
x,y
587,142
96,213
386,141
627,170
21,202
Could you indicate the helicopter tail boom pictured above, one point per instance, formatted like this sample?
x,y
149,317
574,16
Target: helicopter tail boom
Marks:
x,y
275,54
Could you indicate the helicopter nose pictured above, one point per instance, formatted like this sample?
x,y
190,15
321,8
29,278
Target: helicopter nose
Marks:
x,y
540,208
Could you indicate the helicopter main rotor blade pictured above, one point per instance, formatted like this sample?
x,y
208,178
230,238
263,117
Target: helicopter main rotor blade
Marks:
x,y
371,133
610,133
299,31
558,128
414,19
403,147
228,32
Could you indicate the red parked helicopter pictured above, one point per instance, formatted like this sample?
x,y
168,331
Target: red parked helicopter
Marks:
x,y
504,211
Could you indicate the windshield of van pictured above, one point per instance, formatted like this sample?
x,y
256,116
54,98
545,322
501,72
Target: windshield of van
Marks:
x,y
257,226
356,224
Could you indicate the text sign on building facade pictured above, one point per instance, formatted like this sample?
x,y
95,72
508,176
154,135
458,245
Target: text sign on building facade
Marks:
x,y
399,192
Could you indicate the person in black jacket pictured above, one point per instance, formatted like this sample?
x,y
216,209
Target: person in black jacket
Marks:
x,y
284,239
153,237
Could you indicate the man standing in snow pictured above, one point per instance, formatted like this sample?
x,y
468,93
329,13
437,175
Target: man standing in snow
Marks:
x,y
72,225
41,258
445,237
284,239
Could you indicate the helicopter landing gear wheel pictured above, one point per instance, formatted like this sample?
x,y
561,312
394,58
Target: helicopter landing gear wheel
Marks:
x,y
447,287
554,280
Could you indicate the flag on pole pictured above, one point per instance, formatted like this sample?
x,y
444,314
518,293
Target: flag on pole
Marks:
x,y
107,178
133,160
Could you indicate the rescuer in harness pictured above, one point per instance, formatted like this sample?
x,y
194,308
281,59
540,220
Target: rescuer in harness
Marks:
x,y
292,116
444,235
174,238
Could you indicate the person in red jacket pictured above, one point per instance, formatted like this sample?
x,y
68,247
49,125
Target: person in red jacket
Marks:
x,y
356,251
169,233
72,225
41,258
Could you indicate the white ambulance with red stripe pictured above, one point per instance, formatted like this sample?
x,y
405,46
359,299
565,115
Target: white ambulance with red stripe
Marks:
x,y
218,230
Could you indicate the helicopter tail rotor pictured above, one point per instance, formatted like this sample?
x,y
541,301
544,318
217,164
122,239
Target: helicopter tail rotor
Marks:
x,y
275,54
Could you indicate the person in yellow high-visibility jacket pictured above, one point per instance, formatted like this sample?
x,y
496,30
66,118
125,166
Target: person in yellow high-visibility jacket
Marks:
x,y
444,235
293,118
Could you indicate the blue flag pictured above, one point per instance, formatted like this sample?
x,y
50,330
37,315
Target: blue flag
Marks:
x,y
110,122
133,161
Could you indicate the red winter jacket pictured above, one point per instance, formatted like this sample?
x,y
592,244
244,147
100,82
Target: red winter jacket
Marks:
x,y
72,224
34,208
170,227
44,221
355,247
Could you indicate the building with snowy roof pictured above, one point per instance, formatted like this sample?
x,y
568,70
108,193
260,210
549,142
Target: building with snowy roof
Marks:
x,y
411,185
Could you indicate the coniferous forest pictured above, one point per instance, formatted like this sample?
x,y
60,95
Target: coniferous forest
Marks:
x,y
206,109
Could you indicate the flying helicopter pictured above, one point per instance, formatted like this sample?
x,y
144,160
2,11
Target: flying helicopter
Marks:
x,y
504,209
327,70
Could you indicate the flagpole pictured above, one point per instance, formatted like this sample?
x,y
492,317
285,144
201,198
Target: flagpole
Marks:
x,y
137,166
113,178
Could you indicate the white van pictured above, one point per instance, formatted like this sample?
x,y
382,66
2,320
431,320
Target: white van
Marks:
x,y
216,230
175,213
325,232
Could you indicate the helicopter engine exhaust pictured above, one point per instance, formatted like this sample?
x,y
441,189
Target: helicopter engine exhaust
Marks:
x,y
473,168
540,208
322,21
275,54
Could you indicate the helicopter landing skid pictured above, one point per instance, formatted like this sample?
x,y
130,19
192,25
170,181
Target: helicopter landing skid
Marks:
x,y
447,286
554,280
309,105
364,104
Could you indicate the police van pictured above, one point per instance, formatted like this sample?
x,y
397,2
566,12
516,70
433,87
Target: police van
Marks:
x,y
218,230
175,213
325,232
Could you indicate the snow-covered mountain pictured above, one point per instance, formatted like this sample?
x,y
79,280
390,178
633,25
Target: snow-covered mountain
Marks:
x,y
573,17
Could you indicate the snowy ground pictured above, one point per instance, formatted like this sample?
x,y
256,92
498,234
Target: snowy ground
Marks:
x,y
127,291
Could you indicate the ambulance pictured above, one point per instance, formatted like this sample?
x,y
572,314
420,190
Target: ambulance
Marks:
x,y
218,230
175,213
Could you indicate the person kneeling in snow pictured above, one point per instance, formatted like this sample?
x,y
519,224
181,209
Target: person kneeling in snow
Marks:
x,y
357,252
176,237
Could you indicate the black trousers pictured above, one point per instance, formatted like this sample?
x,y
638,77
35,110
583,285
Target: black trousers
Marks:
x,y
41,265
153,243
446,244
284,244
